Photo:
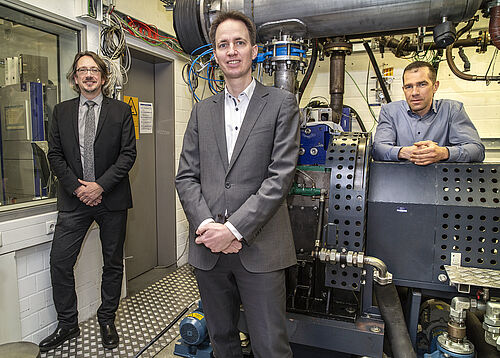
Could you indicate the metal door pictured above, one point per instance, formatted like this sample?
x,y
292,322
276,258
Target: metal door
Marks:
x,y
151,222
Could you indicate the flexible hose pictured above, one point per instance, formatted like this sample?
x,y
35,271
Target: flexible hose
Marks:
x,y
310,69
159,335
390,308
495,26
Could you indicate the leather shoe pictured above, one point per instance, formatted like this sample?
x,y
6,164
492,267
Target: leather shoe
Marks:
x,y
109,336
60,335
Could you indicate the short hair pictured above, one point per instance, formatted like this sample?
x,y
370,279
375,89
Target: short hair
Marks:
x,y
233,15
70,76
421,64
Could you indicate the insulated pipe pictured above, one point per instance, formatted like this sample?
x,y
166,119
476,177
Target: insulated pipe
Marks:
x,y
495,25
392,314
327,18
322,18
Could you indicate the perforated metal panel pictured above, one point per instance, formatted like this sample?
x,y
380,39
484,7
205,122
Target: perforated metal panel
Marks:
x,y
348,159
473,232
469,185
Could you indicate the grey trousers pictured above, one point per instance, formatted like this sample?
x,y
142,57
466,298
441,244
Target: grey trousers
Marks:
x,y
263,297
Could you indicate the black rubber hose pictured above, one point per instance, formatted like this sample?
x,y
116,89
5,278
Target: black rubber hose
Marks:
x,y
390,308
159,335
310,69
475,333
358,118
369,51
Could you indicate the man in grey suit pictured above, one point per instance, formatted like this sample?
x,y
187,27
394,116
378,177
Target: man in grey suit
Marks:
x,y
236,168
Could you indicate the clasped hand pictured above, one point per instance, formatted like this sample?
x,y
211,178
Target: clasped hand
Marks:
x,y
424,153
218,238
89,193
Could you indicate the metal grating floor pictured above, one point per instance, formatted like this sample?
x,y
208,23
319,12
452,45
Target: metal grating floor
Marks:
x,y
138,320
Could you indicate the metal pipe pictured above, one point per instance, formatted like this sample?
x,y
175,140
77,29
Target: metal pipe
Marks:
x,y
320,216
495,25
462,75
369,51
337,75
326,18
377,264
412,47
285,76
322,18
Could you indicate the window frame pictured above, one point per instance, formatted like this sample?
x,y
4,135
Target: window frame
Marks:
x,y
27,209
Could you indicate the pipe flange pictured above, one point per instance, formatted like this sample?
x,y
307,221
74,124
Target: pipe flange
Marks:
x,y
383,281
337,46
464,347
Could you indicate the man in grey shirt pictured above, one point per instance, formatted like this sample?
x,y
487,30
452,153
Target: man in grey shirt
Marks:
x,y
423,130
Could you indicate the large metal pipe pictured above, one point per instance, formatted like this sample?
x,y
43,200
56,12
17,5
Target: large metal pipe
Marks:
x,y
322,18
337,71
326,18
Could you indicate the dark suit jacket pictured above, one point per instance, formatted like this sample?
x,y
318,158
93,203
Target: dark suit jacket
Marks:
x,y
252,186
114,153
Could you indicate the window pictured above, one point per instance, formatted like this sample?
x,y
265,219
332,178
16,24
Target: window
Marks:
x,y
35,55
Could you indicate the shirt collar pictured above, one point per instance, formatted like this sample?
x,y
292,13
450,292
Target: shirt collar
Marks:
x,y
247,91
97,100
433,108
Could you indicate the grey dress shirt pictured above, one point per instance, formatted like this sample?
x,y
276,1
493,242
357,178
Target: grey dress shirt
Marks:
x,y
446,123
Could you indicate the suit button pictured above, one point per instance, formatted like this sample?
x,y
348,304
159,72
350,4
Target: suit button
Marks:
x,y
227,185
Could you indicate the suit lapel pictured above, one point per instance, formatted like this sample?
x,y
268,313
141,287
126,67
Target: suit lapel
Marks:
x,y
219,126
74,119
102,116
257,103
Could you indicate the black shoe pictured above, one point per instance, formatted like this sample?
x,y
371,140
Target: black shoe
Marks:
x,y
109,336
57,338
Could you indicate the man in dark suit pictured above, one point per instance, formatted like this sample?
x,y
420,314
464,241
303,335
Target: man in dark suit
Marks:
x,y
236,168
91,151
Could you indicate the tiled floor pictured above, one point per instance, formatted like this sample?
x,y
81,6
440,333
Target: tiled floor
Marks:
x,y
140,317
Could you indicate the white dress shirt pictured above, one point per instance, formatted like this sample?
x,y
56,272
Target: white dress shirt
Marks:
x,y
235,109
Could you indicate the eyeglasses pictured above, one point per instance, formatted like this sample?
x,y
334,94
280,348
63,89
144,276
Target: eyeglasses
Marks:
x,y
85,70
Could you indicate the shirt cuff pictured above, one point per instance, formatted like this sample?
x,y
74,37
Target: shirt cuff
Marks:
x,y
235,232
204,222
454,153
394,154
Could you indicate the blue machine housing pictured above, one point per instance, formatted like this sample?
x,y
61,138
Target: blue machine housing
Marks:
x,y
194,342
314,143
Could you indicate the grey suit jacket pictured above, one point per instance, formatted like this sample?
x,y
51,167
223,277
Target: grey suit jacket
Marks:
x,y
252,187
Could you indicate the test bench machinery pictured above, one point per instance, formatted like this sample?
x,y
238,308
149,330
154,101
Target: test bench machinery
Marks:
x,y
393,259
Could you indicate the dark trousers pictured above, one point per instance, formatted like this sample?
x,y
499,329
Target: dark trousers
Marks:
x,y
69,233
263,297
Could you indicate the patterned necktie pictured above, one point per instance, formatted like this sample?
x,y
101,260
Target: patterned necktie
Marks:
x,y
88,143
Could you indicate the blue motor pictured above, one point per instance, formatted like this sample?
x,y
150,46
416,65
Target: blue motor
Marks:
x,y
194,342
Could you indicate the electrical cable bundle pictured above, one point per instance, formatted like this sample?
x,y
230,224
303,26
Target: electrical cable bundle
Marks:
x,y
202,61
150,34
113,49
